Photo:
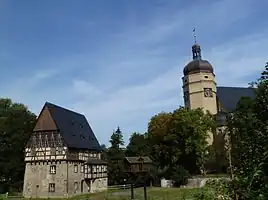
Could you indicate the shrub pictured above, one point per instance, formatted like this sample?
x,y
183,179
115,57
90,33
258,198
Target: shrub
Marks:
x,y
180,176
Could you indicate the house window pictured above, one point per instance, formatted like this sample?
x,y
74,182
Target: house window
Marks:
x,y
53,151
75,168
53,169
51,187
82,168
75,186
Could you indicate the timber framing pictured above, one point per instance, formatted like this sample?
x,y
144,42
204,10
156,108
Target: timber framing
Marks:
x,y
63,147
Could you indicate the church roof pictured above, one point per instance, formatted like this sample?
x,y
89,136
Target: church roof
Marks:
x,y
229,96
74,128
197,64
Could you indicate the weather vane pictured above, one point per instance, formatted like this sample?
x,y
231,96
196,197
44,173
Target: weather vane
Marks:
x,y
194,34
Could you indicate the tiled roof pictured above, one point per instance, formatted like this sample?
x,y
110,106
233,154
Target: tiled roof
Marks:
x,y
137,159
74,128
229,96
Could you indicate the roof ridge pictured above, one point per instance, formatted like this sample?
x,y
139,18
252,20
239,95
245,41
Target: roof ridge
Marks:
x,y
236,87
55,105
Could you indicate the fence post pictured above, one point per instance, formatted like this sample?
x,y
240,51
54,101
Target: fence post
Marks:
x,y
132,192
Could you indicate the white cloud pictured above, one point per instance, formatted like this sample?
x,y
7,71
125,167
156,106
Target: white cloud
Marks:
x,y
233,63
138,74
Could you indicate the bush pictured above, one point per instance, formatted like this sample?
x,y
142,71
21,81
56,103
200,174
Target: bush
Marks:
x,y
215,189
180,176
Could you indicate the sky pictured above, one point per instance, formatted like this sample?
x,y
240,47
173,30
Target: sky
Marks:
x,y
120,62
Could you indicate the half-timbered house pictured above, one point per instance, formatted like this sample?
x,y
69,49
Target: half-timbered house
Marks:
x,y
63,156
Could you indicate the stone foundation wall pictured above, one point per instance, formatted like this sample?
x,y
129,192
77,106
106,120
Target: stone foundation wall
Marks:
x,y
99,185
67,182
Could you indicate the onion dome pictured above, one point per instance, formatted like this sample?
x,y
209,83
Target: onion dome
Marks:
x,y
197,64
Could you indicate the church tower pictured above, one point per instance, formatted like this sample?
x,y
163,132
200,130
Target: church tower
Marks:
x,y
199,84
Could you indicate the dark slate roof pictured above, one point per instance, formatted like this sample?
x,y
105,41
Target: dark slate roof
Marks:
x,y
229,96
135,159
221,118
74,128
197,66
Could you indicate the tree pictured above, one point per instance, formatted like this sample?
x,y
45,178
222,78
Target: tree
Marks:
x,y
104,152
188,131
249,140
16,125
138,145
157,131
115,156
117,139
180,139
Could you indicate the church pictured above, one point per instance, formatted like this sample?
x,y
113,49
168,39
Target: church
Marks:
x,y
201,91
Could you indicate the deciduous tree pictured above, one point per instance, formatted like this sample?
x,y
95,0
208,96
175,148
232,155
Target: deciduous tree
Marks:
x,y
16,125
249,139
138,145
180,138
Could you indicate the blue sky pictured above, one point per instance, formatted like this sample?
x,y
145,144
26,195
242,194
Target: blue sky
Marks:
x,y
120,61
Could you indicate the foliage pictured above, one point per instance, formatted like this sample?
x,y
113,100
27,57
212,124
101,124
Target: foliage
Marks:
x,y
16,125
117,139
138,145
180,138
180,176
104,152
249,140
115,156
157,132
214,189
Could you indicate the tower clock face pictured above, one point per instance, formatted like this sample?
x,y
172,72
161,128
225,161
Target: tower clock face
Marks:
x,y
208,92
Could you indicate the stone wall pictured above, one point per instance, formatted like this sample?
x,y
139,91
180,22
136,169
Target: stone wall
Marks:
x,y
200,182
166,183
192,182
98,185
37,178
67,182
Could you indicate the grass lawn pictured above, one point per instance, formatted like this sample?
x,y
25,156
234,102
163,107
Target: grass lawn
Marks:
x,y
152,194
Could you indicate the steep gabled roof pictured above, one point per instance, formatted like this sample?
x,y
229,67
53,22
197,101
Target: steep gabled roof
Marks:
x,y
74,128
229,96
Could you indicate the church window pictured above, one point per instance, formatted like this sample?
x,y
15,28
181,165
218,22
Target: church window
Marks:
x,y
53,169
51,187
75,168
208,92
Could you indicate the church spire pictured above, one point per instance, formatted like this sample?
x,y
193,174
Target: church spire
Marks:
x,y
196,48
194,34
